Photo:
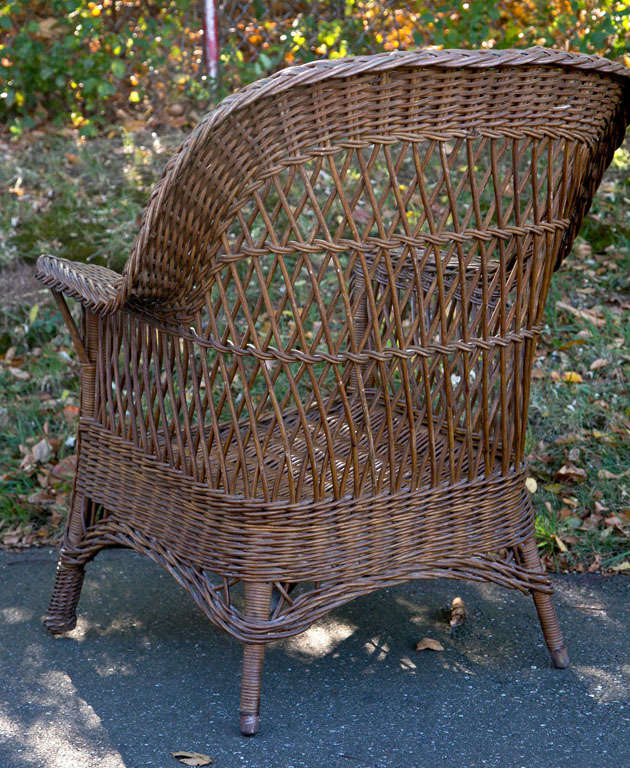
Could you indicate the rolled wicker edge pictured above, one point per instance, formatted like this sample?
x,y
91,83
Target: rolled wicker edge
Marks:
x,y
97,288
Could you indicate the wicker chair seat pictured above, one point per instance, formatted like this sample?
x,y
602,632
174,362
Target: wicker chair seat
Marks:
x,y
372,456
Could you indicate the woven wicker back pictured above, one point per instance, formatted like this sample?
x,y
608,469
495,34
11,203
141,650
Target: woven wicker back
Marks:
x,y
363,250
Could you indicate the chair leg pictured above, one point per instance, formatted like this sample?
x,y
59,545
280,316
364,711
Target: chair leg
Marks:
x,y
546,611
257,606
61,615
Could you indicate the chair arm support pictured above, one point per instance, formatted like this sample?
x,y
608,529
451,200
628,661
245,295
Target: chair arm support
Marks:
x,y
97,288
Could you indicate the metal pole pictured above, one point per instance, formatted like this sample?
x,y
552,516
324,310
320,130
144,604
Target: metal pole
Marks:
x,y
210,39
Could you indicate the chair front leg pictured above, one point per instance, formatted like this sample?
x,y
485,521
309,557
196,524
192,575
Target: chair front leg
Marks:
x,y
61,614
257,606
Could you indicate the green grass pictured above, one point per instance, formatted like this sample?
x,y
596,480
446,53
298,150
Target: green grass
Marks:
x,y
82,200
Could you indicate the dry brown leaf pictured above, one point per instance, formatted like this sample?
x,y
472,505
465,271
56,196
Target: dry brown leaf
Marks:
x,y
429,644
64,470
41,499
42,451
192,758
19,374
584,314
583,251
594,566
570,473
597,364
458,612
604,474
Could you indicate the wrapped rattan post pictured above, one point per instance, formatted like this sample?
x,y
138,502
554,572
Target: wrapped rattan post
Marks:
x,y
257,604
312,376
61,614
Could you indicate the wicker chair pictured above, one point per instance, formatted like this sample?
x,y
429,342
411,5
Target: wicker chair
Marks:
x,y
311,380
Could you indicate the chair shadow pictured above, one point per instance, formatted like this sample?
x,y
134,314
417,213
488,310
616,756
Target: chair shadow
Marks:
x,y
145,673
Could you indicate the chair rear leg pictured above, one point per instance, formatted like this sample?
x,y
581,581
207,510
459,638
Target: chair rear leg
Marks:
x,y
546,611
257,606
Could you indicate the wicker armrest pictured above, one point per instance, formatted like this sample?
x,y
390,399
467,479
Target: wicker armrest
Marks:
x,y
97,288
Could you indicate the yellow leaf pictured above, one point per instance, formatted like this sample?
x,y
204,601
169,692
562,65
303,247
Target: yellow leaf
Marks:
x,y
625,566
561,545
572,377
531,485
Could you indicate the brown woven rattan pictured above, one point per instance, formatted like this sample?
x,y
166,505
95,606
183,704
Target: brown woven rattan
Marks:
x,y
311,380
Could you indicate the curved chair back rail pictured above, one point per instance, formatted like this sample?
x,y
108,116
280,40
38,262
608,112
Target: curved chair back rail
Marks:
x,y
320,111
312,378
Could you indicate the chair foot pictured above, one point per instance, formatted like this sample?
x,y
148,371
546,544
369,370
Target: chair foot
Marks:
x,y
61,615
560,658
249,724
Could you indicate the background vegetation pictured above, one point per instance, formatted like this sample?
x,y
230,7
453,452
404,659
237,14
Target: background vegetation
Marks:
x,y
80,63
93,97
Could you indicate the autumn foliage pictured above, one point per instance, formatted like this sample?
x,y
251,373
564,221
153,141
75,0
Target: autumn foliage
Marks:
x,y
78,62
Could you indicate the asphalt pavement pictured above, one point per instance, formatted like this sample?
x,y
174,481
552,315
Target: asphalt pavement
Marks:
x,y
145,674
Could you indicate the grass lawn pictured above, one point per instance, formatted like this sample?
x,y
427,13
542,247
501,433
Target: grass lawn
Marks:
x,y
83,200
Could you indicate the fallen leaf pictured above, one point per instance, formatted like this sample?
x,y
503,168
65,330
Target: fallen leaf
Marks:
x,y
613,522
71,413
604,474
531,485
594,566
41,499
458,613
429,644
561,545
597,364
570,473
65,469
584,314
42,451
192,758
625,566
583,251
19,374
569,377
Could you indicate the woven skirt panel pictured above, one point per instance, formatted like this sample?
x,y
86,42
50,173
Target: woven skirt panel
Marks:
x,y
327,541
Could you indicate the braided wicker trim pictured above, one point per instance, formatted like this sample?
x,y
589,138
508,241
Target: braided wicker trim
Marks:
x,y
97,288
390,353
299,614
398,241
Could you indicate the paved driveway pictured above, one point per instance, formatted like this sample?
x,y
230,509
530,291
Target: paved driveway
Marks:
x,y
145,674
